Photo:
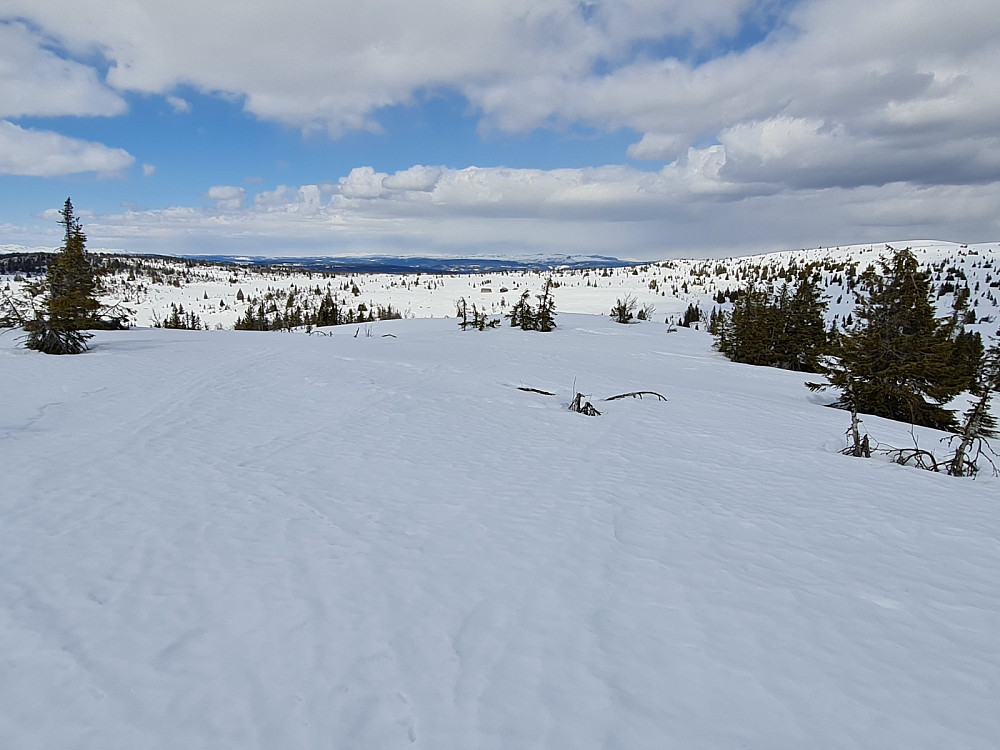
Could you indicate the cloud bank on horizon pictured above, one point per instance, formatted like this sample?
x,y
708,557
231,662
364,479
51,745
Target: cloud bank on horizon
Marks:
x,y
637,128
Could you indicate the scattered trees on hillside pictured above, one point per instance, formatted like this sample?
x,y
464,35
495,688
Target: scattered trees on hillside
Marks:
x,y
180,319
283,311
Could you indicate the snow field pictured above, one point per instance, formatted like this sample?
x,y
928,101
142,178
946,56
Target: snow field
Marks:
x,y
260,540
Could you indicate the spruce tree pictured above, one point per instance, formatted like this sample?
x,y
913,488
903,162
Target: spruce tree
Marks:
x,y
805,337
897,361
747,333
785,330
71,278
545,315
71,306
521,315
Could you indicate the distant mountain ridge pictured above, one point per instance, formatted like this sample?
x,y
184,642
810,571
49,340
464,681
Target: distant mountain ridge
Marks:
x,y
376,263
421,264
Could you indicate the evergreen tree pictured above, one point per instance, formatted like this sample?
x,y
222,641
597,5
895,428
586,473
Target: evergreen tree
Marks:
x,y
691,315
805,338
978,423
897,362
71,278
546,313
746,333
624,309
72,305
785,330
966,357
521,315
328,313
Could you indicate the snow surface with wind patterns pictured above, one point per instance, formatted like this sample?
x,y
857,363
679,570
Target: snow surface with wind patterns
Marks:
x,y
265,540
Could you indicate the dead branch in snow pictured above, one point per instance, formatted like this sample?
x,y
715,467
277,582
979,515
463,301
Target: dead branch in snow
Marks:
x,y
534,390
583,407
637,394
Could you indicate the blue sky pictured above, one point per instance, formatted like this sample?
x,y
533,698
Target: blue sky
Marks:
x,y
635,128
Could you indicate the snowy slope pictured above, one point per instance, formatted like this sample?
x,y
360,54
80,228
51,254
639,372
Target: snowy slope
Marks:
x,y
264,540
219,295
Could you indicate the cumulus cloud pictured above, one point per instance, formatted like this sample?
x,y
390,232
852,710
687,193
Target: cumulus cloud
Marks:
x,y
332,65
226,197
418,178
362,182
906,75
916,83
799,113
40,153
686,208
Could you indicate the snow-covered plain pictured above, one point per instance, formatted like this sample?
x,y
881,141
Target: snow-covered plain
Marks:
x,y
219,539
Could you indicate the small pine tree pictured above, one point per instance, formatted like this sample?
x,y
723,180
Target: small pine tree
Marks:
x,y
624,309
546,313
691,315
521,315
72,306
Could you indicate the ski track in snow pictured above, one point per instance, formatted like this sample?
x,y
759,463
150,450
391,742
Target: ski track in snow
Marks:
x,y
244,540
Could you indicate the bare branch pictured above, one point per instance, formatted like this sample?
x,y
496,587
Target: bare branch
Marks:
x,y
637,394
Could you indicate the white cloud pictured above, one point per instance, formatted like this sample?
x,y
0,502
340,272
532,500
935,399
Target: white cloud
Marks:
x,y
362,182
148,170
36,82
909,80
332,65
686,208
179,105
905,74
842,105
226,197
418,178
224,192
658,146
40,153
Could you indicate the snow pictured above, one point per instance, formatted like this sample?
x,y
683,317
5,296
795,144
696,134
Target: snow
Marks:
x,y
212,292
220,539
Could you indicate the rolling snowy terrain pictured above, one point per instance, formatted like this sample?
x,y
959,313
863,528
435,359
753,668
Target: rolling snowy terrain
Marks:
x,y
371,538
220,294
258,540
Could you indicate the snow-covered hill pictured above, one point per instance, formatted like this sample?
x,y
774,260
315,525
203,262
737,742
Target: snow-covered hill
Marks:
x,y
220,294
240,540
